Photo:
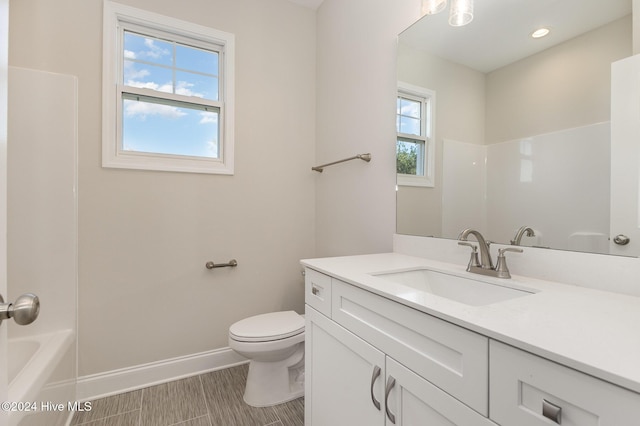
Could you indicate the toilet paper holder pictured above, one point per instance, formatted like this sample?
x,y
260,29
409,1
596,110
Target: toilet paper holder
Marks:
x,y
212,265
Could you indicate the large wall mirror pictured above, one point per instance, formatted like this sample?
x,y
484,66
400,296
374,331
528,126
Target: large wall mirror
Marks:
x,y
521,127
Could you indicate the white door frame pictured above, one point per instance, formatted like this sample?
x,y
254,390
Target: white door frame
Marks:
x,y
4,71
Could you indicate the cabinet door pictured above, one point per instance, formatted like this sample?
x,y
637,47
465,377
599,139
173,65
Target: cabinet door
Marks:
x,y
412,401
527,390
344,377
451,357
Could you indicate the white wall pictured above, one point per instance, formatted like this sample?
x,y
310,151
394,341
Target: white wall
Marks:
x,y
356,86
144,237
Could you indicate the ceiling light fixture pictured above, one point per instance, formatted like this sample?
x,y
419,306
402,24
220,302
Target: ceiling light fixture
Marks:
x,y
431,7
540,32
460,13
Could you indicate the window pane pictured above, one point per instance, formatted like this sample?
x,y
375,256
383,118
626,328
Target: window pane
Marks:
x,y
410,108
156,126
194,59
202,86
409,126
147,49
148,76
410,157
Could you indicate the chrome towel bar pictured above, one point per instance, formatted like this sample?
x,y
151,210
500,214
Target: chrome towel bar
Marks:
x,y
211,265
364,157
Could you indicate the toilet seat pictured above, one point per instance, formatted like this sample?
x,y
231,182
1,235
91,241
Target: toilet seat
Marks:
x,y
267,327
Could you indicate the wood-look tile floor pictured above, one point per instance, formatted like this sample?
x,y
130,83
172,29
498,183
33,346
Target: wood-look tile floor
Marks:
x,y
210,399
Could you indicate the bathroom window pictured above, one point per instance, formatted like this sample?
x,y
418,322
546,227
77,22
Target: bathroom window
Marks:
x,y
167,93
414,144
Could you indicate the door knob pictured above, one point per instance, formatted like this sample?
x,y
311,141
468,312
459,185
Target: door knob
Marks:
x,y
24,310
621,240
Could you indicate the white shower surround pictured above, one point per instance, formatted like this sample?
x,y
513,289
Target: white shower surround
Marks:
x,y
500,187
42,240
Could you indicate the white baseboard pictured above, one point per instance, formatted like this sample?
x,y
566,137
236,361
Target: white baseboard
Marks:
x,y
141,376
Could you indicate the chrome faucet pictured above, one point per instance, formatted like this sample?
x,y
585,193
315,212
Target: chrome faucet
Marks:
x,y
524,230
485,254
485,266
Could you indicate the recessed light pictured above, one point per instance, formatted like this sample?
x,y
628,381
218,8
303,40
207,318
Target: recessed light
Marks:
x,y
540,32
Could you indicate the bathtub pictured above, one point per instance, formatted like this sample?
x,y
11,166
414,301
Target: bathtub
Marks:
x,y
31,363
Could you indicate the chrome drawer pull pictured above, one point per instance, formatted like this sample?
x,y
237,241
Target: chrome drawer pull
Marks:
x,y
391,382
374,377
552,411
315,290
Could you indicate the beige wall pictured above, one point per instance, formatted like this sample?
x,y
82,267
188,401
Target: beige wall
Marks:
x,y
144,237
355,202
563,87
459,116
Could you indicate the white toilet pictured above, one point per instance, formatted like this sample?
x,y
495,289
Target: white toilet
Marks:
x,y
274,345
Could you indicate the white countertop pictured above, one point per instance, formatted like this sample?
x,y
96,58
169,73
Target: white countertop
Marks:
x,y
594,331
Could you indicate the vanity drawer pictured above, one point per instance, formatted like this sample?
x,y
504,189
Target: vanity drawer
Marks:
x,y
317,291
529,390
452,358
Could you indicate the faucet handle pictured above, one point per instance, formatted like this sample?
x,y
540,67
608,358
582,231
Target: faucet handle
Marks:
x,y
501,265
464,243
473,260
502,250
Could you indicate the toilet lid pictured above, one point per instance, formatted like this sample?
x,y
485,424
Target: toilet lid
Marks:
x,y
266,327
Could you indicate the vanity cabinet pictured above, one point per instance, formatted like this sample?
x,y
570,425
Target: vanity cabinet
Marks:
x,y
346,377
351,383
529,390
450,357
365,368
373,361
412,401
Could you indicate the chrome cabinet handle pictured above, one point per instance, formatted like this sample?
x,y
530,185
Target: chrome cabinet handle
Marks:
x,y
391,382
552,411
374,377
24,310
315,290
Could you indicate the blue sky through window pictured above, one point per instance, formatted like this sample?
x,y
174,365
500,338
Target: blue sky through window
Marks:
x,y
154,125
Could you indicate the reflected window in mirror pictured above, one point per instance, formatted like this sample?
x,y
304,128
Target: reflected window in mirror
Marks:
x,y
414,144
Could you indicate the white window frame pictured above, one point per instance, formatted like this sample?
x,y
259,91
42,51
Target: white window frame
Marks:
x,y
428,101
118,16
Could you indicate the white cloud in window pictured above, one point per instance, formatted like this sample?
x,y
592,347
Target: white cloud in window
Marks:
x,y
182,87
131,73
151,85
154,51
207,117
128,54
144,109
212,149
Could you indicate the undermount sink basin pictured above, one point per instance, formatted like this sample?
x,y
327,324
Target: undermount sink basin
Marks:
x,y
464,290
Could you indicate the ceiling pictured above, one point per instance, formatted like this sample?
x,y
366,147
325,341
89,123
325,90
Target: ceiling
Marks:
x,y
499,32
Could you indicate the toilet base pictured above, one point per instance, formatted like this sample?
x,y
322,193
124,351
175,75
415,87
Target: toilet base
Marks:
x,y
272,383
